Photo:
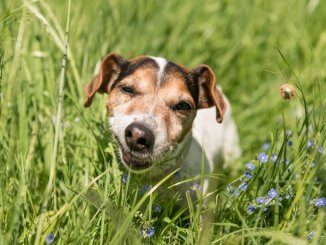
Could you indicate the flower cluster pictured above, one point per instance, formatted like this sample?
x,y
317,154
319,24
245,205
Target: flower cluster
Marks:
x,y
263,202
148,232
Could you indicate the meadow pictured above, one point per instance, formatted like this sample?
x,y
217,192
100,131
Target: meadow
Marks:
x,y
60,180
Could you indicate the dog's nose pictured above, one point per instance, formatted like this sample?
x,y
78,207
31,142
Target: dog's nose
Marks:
x,y
139,137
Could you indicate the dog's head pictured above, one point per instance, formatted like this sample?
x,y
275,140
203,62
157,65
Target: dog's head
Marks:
x,y
152,104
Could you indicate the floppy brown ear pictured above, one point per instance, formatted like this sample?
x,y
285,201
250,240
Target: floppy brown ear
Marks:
x,y
109,71
209,95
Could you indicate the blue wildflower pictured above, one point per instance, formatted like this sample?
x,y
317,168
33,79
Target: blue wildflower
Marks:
x,y
251,209
232,191
263,157
266,146
125,178
49,238
243,186
247,174
148,232
310,143
320,150
272,193
288,196
250,166
280,198
236,192
267,200
274,157
157,208
320,202
260,200
265,209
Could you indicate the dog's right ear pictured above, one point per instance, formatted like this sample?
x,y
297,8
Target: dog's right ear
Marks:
x,y
109,71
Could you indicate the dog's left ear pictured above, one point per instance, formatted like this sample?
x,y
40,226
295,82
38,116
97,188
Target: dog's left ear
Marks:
x,y
209,95
109,71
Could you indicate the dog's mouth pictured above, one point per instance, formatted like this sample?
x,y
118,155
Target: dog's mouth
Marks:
x,y
135,163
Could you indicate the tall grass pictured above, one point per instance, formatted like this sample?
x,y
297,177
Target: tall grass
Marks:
x,y
58,171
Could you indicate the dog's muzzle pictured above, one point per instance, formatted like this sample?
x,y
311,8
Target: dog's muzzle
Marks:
x,y
139,138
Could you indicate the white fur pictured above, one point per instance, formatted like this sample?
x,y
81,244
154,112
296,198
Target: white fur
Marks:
x,y
161,62
119,122
216,141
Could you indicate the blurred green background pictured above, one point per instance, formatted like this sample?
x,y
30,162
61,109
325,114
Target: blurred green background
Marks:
x,y
238,39
241,40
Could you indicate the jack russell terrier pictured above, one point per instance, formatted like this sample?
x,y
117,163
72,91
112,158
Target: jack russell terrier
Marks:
x,y
165,116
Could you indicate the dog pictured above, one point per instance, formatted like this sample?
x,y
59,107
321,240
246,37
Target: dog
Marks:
x,y
165,116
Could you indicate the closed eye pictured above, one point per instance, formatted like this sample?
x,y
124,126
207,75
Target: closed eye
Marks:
x,y
181,106
127,90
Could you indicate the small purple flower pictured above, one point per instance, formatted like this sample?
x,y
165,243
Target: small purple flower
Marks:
x,y
148,232
265,209
272,193
266,146
125,178
251,209
320,202
49,238
250,166
310,143
274,157
260,200
157,208
263,157
248,174
243,186
280,198
288,196
321,150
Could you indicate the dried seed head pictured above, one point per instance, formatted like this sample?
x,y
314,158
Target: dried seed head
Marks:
x,y
287,91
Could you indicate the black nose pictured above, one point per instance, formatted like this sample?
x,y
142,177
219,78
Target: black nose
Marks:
x,y
139,137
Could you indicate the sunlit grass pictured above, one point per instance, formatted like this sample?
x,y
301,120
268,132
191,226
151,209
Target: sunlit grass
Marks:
x,y
60,179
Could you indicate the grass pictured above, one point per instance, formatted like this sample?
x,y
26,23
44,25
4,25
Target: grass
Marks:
x,y
58,171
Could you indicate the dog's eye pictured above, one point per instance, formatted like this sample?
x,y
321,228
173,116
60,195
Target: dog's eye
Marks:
x,y
182,106
127,90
